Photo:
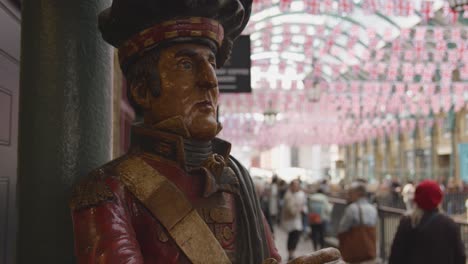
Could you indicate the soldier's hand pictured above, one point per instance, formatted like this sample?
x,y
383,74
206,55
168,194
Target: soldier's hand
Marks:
x,y
324,256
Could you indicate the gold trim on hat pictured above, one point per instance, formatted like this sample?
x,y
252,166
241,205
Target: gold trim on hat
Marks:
x,y
195,33
195,19
171,34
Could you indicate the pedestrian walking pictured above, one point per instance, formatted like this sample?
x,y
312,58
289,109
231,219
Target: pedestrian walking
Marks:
x,y
319,217
408,195
273,202
294,201
427,236
357,228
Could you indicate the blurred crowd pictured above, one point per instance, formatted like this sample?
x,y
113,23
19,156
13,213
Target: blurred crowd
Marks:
x,y
304,210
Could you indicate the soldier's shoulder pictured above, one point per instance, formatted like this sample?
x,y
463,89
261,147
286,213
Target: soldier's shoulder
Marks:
x,y
94,189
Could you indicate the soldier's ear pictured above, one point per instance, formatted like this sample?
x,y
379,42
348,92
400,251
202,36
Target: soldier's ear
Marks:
x,y
140,93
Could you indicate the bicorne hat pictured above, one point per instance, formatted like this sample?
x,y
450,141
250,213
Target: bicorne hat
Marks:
x,y
137,26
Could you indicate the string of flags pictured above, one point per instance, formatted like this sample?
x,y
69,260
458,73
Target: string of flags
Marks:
x,y
403,8
376,80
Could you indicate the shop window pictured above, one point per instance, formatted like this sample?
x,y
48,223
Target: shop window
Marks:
x,y
427,133
447,127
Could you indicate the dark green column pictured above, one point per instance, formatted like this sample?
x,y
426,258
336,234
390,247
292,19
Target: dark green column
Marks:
x,y
65,120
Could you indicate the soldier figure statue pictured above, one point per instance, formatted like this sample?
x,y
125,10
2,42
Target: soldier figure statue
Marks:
x,y
177,196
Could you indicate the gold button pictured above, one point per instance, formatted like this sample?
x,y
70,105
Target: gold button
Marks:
x,y
162,236
227,233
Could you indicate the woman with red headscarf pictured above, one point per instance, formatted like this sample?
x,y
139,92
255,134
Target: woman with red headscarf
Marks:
x,y
426,235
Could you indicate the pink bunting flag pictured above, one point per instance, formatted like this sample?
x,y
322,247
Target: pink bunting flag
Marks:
x,y
400,88
266,40
396,46
453,56
328,5
420,33
441,48
456,34
370,6
312,6
300,68
389,8
374,72
379,54
285,5
446,73
419,50
352,40
319,30
427,10
409,55
464,72
382,67
404,7
438,33
392,73
450,14
419,68
408,72
461,48
428,73
388,34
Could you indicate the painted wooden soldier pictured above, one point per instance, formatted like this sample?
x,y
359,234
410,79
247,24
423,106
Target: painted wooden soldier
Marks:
x,y
177,196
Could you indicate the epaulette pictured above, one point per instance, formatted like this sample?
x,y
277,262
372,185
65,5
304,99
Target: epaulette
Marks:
x,y
91,191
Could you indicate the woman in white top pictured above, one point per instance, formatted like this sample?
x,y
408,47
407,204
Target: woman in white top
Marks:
x,y
273,201
294,201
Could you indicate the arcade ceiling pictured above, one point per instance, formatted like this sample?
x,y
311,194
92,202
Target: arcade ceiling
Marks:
x,y
338,72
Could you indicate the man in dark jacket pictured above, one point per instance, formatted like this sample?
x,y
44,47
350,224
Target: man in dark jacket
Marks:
x,y
427,236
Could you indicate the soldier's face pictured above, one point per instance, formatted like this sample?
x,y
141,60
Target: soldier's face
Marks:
x,y
189,88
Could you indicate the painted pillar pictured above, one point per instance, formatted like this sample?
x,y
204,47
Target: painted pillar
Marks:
x,y
65,120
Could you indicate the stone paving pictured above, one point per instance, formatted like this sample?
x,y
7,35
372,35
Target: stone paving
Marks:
x,y
281,237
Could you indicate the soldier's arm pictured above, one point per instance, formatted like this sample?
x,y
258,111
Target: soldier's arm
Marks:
x,y
102,227
271,242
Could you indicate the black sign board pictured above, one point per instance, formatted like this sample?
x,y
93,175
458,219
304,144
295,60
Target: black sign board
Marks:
x,y
234,76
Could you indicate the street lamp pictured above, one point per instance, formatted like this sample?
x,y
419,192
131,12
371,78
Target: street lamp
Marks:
x,y
270,114
313,93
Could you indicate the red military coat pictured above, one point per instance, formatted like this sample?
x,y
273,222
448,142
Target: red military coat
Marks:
x,y
112,226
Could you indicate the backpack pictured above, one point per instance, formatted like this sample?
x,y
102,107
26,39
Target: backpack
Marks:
x,y
316,209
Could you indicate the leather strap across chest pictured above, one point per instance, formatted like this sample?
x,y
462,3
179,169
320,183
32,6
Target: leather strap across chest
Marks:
x,y
173,210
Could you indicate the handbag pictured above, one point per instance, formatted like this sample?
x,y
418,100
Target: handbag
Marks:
x,y
359,243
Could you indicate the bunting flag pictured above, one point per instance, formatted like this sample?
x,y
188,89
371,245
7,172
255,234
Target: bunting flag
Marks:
x,y
266,40
411,74
389,7
408,72
346,6
312,6
438,33
426,10
450,14
419,50
370,6
285,5
404,7
420,33
328,5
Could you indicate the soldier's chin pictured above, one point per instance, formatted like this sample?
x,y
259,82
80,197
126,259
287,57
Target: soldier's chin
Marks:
x,y
203,127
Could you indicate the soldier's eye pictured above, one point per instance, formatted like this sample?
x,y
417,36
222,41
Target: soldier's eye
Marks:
x,y
185,65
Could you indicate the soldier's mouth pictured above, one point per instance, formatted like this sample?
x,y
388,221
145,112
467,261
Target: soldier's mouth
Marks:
x,y
205,104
